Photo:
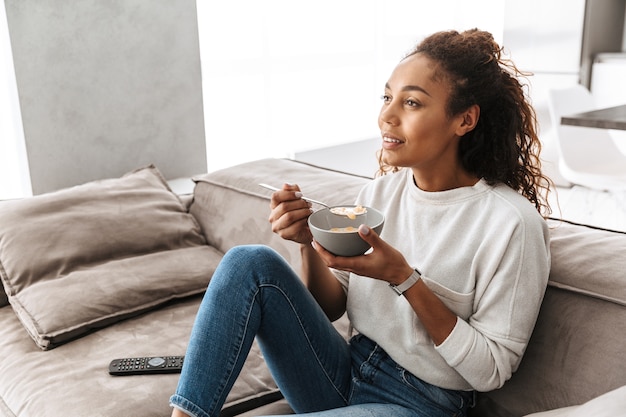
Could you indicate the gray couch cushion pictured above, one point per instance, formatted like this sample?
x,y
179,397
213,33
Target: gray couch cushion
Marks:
x,y
588,261
72,380
84,257
611,404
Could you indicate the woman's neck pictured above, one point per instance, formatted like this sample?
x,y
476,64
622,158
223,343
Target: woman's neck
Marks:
x,y
438,182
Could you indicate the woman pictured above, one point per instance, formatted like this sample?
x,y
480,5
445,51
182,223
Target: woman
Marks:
x,y
464,245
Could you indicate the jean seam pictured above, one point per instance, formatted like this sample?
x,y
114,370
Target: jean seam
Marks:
x,y
308,339
455,412
371,374
235,358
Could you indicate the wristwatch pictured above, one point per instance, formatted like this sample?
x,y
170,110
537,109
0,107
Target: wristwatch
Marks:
x,y
408,283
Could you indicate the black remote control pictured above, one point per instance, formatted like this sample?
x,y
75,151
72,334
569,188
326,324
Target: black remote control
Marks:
x,y
147,365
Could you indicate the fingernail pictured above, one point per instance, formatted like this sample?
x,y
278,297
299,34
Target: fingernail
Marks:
x,y
364,230
298,194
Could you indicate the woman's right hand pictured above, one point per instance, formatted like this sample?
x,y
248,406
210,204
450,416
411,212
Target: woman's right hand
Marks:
x,y
289,215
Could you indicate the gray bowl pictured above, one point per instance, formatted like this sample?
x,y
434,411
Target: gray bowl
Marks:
x,y
344,243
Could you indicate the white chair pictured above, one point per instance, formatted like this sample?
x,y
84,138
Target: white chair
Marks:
x,y
587,156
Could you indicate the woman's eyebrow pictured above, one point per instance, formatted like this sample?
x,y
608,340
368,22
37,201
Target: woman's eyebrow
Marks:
x,y
410,88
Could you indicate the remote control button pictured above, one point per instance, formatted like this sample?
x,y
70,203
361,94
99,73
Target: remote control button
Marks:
x,y
156,362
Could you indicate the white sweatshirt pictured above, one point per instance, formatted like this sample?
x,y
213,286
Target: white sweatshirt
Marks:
x,y
484,250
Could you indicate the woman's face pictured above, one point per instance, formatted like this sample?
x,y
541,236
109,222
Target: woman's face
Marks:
x,y
416,130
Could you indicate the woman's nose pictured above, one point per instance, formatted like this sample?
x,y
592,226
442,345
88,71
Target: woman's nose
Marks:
x,y
387,115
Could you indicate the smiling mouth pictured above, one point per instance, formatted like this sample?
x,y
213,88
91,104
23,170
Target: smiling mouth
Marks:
x,y
388,139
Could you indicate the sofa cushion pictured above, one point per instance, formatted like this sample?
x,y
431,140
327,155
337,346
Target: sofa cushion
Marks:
x,y
73,379
587,260
611,404
84,257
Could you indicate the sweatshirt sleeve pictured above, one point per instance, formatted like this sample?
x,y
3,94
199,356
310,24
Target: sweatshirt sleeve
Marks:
x,y
486,348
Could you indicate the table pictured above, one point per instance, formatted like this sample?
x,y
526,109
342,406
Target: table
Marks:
x,y
609,118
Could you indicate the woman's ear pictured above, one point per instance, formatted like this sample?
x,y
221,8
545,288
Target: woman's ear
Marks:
x,y
469,119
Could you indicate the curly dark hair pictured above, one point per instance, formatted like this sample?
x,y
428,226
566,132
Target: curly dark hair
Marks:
x,y
504,146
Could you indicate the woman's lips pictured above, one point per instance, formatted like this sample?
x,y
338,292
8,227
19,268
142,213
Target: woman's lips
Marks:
x,y
389,142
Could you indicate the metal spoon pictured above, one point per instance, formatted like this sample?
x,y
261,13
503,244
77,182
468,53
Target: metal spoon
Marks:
x,y
269,187
351,215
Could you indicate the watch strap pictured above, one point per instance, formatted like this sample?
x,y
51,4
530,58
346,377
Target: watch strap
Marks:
x,y
408,283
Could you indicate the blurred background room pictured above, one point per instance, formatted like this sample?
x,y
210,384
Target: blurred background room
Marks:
x,y
278,78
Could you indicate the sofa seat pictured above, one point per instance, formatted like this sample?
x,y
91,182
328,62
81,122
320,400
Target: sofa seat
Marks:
x,y
73,379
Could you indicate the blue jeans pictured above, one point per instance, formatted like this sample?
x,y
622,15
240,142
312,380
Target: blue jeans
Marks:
x,y
255,293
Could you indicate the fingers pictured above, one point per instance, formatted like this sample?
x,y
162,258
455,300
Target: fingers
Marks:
x,y
297,231
382,262
291,208
289,214
288,219
289,192
366,233
286,201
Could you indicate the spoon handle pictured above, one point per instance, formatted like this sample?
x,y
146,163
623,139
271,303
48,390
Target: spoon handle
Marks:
x,y
269,187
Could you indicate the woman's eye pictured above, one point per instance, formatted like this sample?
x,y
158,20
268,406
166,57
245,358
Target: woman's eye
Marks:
x,y
385,98
412,103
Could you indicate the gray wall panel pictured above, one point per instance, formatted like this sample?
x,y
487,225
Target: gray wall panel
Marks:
x,y
106,87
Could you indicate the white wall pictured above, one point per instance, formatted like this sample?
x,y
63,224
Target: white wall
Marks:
x,y
14,177
282,77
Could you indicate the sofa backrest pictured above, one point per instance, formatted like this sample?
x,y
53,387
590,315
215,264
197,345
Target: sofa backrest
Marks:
x,y
233,209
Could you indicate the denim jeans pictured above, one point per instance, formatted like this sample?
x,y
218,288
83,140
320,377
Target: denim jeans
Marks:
x,y
255,293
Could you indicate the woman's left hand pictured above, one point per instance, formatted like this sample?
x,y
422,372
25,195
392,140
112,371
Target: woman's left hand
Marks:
x,y
384,262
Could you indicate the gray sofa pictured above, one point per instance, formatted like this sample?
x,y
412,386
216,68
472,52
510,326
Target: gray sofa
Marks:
x,y
116,268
